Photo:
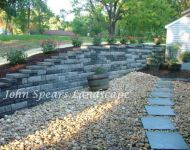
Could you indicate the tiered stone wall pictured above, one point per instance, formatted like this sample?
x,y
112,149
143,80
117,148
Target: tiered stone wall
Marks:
x,y
67,72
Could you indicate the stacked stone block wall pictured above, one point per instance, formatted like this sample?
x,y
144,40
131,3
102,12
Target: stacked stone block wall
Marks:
x,y
69,71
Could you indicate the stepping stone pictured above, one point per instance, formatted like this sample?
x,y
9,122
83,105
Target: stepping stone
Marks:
x,y
157,123
166,140
162,90
160,110
160,101
162,94
164,82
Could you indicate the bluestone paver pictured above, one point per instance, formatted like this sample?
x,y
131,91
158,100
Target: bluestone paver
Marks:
x,y
157,123
162,94
160,101
166,140
160,110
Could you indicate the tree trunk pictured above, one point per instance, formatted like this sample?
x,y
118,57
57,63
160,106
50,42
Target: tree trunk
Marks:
x,y
29,18
112,26
6,26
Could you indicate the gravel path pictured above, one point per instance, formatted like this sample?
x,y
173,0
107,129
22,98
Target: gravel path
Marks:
x,y
83,123
182,107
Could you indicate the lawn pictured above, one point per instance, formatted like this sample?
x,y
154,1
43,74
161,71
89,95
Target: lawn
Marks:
x,y
25,42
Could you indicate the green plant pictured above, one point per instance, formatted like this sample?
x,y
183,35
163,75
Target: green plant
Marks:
x,y
16,57
100,70
140,40
123,40
133,41
111,40
185,57
76,41
48,46
154,60
175,47
97,40
173,61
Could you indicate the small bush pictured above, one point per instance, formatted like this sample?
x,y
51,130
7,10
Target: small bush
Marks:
x,y
100,70
48,46
140,40
16,57
111,40
132,41
76,41
123,40
97,40
185,56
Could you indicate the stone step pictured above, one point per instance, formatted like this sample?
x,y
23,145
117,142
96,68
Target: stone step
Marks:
x,y
7,80
17,76
45,63
60,57
32,72
55,61
36,67
4,85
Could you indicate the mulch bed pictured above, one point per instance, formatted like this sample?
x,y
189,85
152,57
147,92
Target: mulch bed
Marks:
x,y
167,73
7,68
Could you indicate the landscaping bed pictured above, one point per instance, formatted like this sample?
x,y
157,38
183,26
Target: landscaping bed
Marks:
x,y
84,122
167,73
5,69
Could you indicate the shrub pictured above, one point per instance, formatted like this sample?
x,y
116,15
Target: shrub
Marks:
x,y
97,40
140,41
16,57
100,70
111,40
185,56
76,41
48,46
132,41
123,40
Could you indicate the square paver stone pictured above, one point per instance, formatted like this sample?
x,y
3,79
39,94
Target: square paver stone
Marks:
x,y
164,85
160,101
160,110
162,90
162,94
157,123
166,140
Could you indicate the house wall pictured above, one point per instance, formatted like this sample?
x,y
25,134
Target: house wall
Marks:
x,y
179,32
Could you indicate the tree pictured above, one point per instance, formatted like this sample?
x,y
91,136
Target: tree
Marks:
x,y
146,18
113,10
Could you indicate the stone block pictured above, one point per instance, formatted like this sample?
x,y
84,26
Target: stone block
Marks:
x,y
18,106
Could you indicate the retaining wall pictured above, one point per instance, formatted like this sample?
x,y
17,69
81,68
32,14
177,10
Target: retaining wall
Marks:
x,y
68,72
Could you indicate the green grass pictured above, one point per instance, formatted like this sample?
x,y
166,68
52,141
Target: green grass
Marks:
x,y
33,37
26,42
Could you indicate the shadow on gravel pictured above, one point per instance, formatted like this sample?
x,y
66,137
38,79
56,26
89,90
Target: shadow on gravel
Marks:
x,y
62,130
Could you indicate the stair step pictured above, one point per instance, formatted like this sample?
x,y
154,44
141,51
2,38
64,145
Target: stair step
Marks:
x,y
45,63
33,72
17,76
7,80
53,60
4,85
36,67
